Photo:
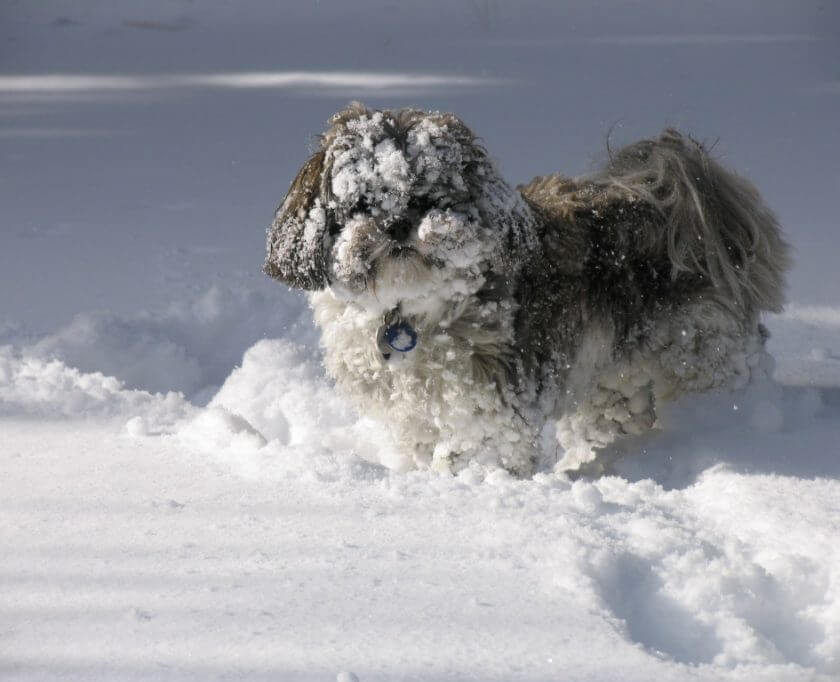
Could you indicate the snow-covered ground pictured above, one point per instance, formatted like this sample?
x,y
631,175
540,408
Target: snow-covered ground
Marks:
x,y
272,534
184,496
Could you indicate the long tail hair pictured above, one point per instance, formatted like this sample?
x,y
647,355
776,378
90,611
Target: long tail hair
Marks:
x,y
716,223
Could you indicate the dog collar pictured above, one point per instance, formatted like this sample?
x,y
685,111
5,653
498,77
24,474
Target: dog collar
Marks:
x,y
395,334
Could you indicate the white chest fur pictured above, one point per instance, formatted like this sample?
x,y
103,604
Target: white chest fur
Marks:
x,y
444,399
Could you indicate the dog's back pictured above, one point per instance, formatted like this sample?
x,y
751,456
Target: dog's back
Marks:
x,y
665,208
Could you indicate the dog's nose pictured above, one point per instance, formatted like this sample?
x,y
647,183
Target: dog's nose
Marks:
x,y
400,230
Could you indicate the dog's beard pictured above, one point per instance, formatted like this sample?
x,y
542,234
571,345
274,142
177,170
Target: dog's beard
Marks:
x,y
440,255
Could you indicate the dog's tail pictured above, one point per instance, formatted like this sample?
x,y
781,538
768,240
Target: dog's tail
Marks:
x,y
717,225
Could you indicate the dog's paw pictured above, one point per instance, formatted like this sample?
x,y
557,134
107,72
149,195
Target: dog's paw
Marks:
x,y
622,404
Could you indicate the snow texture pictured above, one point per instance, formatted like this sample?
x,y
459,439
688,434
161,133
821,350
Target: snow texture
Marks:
x,y
188,346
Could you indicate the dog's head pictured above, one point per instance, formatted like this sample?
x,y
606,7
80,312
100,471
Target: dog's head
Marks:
x,y
395,204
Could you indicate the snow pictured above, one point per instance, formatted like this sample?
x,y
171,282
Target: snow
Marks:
x,y
32,386
185,496
274,535
189,345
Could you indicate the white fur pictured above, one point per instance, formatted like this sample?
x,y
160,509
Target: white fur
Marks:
x,y
439,405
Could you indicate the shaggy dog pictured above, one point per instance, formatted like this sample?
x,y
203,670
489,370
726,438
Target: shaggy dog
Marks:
x,y
523,328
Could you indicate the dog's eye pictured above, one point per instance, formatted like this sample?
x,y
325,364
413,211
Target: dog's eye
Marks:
x,y
361,206
421,204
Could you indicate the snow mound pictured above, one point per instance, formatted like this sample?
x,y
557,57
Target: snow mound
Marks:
x,y
31,386
215,428
281,389
277,415
190,346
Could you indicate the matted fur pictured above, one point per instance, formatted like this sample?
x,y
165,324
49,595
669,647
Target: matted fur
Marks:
x,y
551,318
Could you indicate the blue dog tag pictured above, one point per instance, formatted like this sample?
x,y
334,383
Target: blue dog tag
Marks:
x,y
401,337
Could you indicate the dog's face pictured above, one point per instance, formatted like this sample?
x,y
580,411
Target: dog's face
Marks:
x,y
393,206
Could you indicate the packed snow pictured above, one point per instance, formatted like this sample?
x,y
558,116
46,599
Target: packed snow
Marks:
x,y
183,493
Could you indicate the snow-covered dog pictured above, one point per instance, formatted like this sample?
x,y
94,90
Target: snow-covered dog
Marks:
x,y
522,327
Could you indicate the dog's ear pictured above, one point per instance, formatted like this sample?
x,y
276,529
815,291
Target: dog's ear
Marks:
x,y
296,239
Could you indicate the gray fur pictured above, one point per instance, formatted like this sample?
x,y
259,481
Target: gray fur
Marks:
x,y
663,225
291,258
715,222
592,298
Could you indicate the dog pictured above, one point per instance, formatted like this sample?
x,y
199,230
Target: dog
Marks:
x,y
523,328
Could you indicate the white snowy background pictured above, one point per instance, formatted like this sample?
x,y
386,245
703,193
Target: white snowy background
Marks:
x,y
183,495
